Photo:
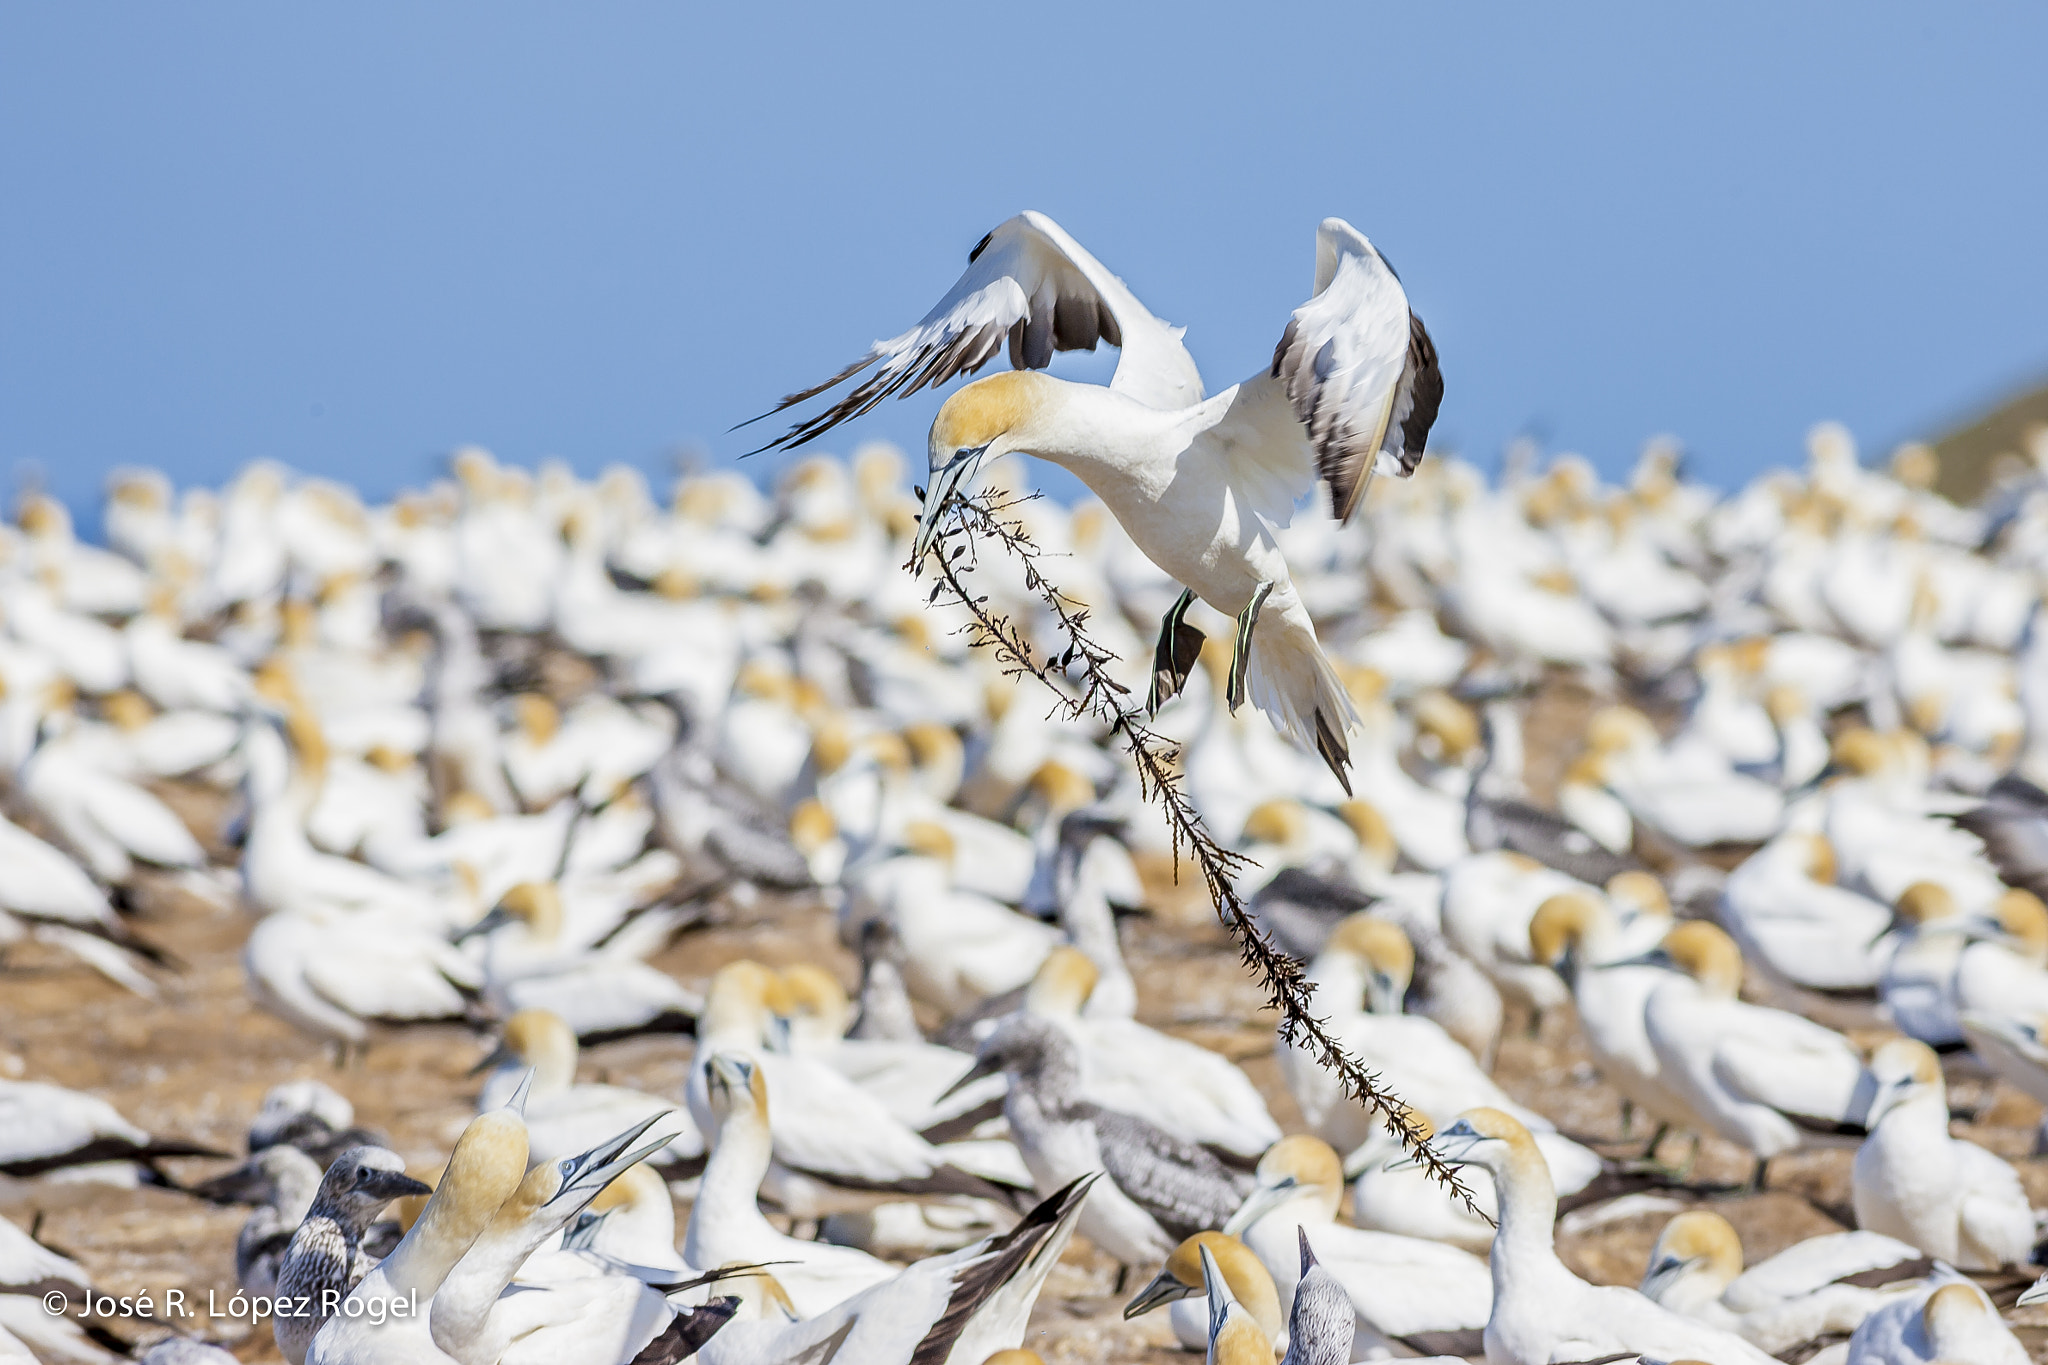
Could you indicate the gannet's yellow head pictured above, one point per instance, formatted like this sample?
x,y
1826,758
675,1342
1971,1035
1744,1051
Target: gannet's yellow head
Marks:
x,y
638,1186
2025,921
736,1002
540,1039
1281,821
487,1165
761,1295
1636,892
1061,787
1861,751
929,839
735,1088
1384,951
1820,864
1697,1244
1705,953
1899,1070
1452,724
1062,985
1924,903
1015,1356
128,710
1785,704
1181,1278
1300,1167
1564,923
811,826
1235,1337
1496,1141
937,755
1954,1314
989,417
537,905
538,718
1375,836
1618,729
811,1003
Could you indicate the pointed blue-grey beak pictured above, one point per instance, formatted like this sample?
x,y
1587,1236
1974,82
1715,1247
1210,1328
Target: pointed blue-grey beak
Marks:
x,y
583,1176
946,481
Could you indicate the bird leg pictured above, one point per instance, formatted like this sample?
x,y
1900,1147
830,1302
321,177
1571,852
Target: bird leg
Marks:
x,y
1180,644
1760,1177
1628,1115
1241,645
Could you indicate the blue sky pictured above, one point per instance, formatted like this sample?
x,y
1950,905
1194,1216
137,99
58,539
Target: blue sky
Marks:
x,y
355,237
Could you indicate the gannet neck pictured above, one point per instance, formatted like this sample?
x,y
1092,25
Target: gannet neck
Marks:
x,y
741,1149
486,1167
1114,444
462,1305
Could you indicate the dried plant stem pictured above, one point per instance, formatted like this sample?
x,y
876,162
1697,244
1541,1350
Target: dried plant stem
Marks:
x,y
1080,680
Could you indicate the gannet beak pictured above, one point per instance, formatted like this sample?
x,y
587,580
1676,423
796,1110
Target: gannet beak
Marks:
x,y
1219,1293
1869,1100
1661,1275
582,1234
2037,1292
1656,957
496,916
1261,1201
1163,1289
1453,1147
946,481
496,1058
982,1067
246,1184
583,1176
1381,997
1308,1254
394,1185
1892,926
517,1103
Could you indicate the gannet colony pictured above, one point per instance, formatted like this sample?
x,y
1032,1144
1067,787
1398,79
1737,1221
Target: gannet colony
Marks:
x,y
539,919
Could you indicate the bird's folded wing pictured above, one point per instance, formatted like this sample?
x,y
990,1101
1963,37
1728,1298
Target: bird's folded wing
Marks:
x,y
1797,1068
1031,283
1177,1182
1359,367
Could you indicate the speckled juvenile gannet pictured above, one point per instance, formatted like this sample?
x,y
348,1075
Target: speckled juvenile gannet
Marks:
x,y
1911,1180
486,1166
1201,486
1160,1189
325,1254
1542,1312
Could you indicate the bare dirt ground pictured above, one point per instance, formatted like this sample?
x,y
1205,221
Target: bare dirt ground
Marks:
x,y
196,1063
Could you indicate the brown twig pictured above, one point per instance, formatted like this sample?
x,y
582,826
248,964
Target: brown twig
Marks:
x,y
1080,679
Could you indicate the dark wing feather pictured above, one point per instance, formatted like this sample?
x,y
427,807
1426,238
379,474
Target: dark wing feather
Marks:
x,y
1179,1183
1004,1257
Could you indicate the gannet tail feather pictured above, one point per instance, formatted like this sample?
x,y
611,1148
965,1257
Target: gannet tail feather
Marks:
x,y
1291,680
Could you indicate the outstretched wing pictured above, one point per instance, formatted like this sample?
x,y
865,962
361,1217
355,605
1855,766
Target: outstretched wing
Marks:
x,y
1032,283
1359,368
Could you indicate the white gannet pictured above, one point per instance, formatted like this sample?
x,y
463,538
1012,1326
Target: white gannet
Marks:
x,y
1200,486
1823,1286
1179,1284
1361,977
325,1257
46,1127
1542,1312
1950,1198
486,1166
539,1050
1952,1322
1764,1079
1181,1087
836,1146
1406,1294
726,1223
1811,939
955,1309
1160,1188
480,1316
1581,936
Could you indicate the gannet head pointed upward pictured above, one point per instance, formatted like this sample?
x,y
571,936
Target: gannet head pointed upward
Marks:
x,y
1251,1285
1234,1335
989,417
486,1166
1322,1324
1696,1257
736,1006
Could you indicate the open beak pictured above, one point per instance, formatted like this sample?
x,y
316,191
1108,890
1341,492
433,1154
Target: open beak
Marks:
x,y
1163,1289
1656,957
946,481
2037,1292
982,1067
583,1176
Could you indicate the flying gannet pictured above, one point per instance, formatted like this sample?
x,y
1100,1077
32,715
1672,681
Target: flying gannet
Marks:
x,y
1202,485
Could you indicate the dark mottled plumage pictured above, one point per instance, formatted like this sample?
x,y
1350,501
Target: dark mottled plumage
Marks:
x,y
327,1250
